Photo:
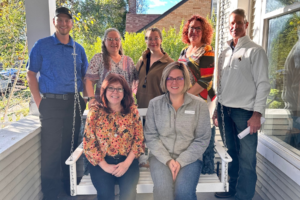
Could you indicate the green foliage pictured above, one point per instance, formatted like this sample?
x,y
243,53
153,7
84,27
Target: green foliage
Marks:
x,y
213,21
92,49
274,100
134,43
12,33
93,17
279,49
172,43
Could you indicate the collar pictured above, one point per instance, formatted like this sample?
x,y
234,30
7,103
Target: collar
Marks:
x,y
165,59
241,41
232,45
56,41
187,98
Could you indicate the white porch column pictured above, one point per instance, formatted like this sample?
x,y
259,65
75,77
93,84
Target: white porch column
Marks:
x,y
39,20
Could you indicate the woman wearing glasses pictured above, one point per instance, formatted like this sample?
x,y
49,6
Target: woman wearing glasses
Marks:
x,y
177,132
111,60
113,140
150,67
199,58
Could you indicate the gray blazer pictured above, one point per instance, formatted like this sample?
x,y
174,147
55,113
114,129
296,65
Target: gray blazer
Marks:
x,y
183,135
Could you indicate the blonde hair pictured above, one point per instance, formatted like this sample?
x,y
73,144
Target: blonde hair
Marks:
x,y
167,71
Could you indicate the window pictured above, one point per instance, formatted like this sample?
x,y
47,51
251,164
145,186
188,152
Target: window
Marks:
x,y
272,5
283,104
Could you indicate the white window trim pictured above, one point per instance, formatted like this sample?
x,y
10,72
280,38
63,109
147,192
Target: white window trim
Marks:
x,y
275,151
280,156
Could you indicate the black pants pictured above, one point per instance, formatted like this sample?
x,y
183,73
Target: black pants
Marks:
x,y
56,118
105,182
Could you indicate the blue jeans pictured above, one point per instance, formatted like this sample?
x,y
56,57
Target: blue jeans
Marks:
x,y
105,182
184,187
242,169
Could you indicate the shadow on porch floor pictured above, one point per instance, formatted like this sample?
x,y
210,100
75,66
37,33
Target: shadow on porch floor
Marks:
x,y
200,196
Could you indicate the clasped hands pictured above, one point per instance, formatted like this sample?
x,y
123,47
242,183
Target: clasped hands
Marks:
x,y
116,170
174,167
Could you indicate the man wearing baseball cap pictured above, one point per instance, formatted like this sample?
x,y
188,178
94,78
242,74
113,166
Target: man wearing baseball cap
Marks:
x,y
54,96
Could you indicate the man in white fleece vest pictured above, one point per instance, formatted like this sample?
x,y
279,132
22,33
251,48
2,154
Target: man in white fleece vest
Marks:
x,y
243,87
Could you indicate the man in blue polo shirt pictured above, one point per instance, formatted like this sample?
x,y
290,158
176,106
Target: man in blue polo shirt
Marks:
x,y
54,96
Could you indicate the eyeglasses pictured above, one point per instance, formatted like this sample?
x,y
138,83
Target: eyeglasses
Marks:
x,y
152,39
198,29
171,79
112,39
112,89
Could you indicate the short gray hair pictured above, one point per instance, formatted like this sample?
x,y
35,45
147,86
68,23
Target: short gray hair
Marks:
x,y
240,12
167,71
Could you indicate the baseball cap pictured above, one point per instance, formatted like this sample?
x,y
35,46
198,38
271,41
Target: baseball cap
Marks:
x,y
63,10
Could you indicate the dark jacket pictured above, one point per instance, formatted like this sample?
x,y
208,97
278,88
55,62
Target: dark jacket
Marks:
x,y
152,89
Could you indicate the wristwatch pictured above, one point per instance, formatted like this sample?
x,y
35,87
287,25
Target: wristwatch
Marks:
x,y
89,98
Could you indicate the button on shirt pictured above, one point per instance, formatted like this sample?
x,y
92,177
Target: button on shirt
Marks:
x,y
55,63
244,80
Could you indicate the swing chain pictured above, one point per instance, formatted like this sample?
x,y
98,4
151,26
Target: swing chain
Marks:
x,y
219,87
76,101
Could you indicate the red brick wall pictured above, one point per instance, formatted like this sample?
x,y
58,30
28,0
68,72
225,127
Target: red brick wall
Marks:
x,y
135,22
184,12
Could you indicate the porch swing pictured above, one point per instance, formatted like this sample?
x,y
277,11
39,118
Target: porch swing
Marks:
x,y
206,183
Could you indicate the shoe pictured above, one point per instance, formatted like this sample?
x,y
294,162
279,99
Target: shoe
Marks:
x,y
224,194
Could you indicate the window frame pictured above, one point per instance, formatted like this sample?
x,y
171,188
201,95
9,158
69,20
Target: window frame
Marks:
x,y
279,153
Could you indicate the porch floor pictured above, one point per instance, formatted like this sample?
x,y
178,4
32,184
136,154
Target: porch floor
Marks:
x,y
200,196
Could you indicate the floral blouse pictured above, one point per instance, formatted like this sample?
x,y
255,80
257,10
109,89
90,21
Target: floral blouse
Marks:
x,y
97,72
112,134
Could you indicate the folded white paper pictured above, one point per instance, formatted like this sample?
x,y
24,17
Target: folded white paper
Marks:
x,y
247,130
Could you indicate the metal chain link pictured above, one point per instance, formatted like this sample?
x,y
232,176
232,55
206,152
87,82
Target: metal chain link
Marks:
x,y
76,101
222,6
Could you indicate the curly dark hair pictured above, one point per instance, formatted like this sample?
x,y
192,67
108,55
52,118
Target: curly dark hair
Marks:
x,y
207,30
127,100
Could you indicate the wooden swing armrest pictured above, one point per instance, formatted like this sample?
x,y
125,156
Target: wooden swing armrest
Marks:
x,y
76,154
222,152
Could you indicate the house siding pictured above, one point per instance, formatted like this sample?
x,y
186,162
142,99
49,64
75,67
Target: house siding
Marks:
x,y
273,184
20,170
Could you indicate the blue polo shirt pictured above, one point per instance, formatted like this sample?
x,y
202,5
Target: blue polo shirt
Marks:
x,y
55,63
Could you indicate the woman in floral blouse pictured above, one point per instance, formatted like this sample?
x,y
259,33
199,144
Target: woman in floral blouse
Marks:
x,y
111,60
113,140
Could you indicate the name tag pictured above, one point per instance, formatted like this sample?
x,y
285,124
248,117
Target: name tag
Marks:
x,y
192,112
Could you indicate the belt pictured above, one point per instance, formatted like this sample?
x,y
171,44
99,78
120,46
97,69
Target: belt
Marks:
x,y
57,96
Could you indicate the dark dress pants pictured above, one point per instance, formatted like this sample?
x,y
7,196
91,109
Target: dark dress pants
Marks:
x,y
56,118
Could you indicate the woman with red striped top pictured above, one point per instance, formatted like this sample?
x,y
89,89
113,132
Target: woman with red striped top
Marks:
x,y
199,58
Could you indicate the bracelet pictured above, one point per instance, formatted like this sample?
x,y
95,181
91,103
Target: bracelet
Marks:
x,y
89,98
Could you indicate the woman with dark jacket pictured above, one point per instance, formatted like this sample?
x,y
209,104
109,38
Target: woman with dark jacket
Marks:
x,y
150,67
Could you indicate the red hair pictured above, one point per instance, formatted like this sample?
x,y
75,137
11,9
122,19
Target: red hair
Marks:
x,y
207,30
127,100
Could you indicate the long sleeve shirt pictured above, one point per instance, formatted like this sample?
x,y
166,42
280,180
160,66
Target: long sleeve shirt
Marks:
x,y
244,79
112,134
182,135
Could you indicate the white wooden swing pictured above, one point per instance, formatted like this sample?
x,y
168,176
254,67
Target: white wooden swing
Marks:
x,y
207,183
